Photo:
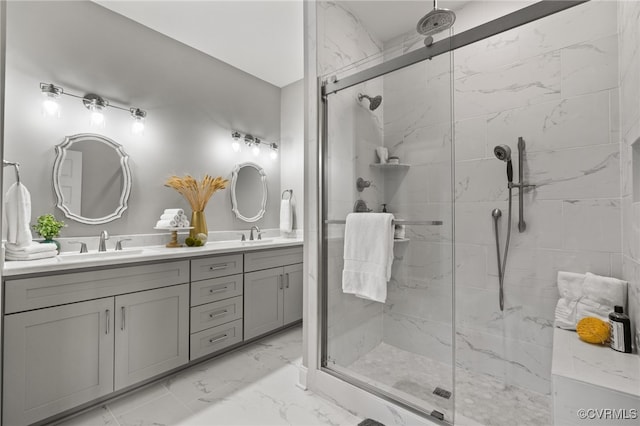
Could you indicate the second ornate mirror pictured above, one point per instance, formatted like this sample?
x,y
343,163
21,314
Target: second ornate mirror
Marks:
x,y
91,178
248,192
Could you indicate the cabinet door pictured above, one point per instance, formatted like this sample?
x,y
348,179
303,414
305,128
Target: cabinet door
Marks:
x,y
262,301
152,333
292,293
56,358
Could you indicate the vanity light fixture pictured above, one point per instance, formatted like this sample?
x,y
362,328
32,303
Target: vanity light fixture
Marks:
x,y
96,104
253,143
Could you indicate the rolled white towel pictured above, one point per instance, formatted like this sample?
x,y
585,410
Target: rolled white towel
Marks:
x,y
570,289
31,256
166,224
185,223
175,217
174,211
32,248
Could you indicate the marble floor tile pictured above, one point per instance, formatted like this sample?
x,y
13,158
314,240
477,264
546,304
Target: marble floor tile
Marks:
x,y
254,385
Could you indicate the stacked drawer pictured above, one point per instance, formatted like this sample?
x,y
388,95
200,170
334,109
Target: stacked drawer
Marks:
x,y
216,304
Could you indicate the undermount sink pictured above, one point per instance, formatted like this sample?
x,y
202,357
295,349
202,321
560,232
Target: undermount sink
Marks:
x,y
254,242
98,254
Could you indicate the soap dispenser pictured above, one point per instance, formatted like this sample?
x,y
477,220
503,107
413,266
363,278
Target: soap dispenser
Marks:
x,y
620,326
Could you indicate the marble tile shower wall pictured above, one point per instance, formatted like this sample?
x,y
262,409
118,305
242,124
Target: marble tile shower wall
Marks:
x,y
354,325
553,82
629,63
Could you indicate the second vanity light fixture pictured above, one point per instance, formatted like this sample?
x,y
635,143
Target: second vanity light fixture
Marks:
x,y
94,103
253,143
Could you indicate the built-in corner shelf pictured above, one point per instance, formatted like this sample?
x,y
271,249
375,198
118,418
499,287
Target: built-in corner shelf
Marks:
x,y
388,166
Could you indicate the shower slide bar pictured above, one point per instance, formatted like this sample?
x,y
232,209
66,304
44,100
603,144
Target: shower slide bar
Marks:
x,y
395,221
504,23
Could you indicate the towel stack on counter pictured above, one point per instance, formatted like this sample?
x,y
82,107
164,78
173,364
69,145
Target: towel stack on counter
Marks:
x,y
172,218
32,251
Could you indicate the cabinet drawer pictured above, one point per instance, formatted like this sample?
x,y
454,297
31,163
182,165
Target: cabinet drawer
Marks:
x,y
39,292
266,259
208,291
214,314
216,338
214,267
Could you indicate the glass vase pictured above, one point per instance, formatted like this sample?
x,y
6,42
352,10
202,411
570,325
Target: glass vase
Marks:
x,y
199,223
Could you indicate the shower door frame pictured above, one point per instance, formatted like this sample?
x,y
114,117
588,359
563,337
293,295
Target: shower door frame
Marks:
x,y
331,85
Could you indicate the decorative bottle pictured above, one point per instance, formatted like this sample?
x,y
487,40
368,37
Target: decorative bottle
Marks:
x,y
620,326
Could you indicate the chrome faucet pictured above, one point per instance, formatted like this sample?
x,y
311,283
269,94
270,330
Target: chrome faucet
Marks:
x,y
257,231
104,236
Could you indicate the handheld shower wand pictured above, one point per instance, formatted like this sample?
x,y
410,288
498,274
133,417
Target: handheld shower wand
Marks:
x,y
503,152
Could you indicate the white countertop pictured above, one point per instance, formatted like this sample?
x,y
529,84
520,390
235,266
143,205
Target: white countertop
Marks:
x,y
69,261
594,364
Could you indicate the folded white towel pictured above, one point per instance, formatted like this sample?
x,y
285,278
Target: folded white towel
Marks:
x,y
32,248
368,255
18,214
286,215
600,295
32,256
175,217
174,211
570,289
166,224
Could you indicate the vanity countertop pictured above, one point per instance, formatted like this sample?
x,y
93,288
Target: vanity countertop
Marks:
x,y
73,261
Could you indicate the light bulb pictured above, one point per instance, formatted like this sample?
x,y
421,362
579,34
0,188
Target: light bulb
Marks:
x,y
97,118
137,127
273,154
50,107
256,150
236,146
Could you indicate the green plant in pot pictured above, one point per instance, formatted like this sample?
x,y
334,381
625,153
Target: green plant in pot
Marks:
x,y
49,228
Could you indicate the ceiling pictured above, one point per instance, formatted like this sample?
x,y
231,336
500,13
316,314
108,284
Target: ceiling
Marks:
x,y
263,38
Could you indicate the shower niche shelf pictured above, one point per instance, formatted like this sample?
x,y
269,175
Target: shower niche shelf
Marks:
x,y
388,166
400,240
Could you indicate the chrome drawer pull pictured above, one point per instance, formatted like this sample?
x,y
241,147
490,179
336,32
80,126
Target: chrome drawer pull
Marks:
x,y
215,268
219,314
225,288
219,339
108,317
280,281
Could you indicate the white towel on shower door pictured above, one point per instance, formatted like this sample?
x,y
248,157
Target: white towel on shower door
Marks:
x,y
17,209
368,255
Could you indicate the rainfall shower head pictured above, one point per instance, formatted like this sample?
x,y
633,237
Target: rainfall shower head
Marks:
x,y
503,152
436,21
373,102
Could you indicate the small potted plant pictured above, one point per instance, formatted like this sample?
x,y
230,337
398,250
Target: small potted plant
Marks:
x,y
49,228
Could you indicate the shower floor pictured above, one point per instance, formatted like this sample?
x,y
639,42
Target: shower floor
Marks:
x,y
480,398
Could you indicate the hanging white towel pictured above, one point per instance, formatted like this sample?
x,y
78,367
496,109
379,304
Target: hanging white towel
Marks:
x,y
368,255
286,215
600,295
570,288
18,214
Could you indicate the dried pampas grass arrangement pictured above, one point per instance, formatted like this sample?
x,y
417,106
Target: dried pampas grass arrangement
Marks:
x,y
197,193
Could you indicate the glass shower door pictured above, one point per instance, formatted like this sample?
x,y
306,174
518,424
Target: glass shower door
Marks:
x,y
401,349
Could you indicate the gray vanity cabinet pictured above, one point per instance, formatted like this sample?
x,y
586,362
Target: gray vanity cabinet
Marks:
x,y
273,296
57,358
151,333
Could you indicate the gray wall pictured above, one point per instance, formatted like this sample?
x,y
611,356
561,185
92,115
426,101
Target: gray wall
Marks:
x,y
292,147
193,102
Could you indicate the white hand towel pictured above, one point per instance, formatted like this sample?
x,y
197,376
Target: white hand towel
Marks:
x,y
570,288
31,248
174,211
175,217
18,213
286,215
32,256
368,255
166,224
600,295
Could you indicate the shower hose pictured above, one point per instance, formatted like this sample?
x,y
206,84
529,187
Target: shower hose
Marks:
x,y
502,265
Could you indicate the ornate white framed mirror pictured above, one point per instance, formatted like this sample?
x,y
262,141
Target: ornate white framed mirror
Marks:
x,y
248,191
91,178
